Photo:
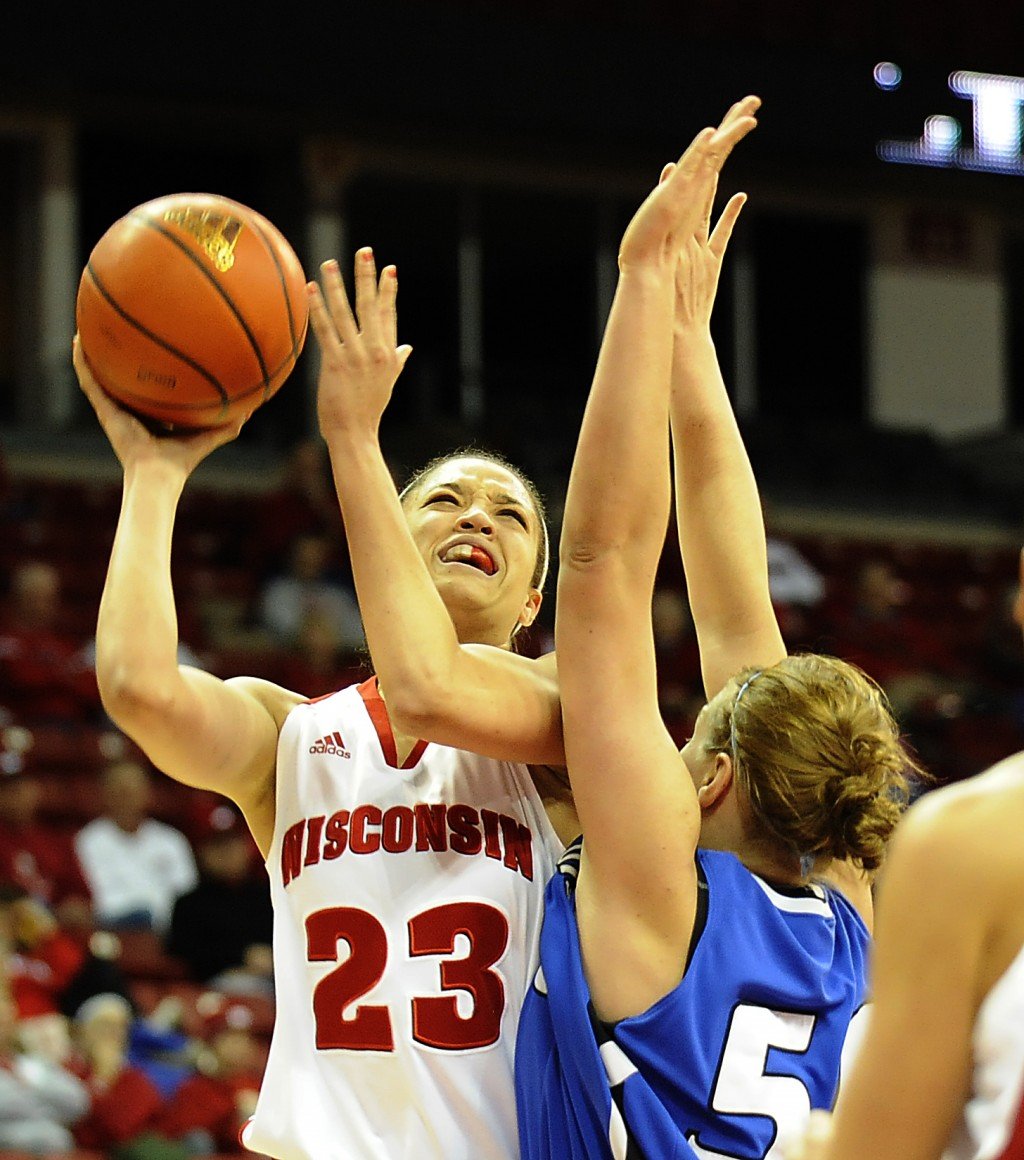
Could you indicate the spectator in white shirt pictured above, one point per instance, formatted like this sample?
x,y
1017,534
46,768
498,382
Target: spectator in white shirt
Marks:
x,y
308,587
136,866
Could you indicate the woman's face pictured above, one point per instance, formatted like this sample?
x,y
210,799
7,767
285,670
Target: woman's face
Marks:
x,y
479,533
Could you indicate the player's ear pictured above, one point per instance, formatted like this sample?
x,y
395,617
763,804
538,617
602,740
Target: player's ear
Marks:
x,y
531,606
717,782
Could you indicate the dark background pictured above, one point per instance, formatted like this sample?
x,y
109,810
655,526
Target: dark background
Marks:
x,y
543,124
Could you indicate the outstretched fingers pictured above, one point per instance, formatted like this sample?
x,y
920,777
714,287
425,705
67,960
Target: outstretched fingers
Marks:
x,y
337,309
366,296
387,314
320,320
719,241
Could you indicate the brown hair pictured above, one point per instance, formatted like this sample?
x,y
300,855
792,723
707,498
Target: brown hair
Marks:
x,y
817,751
540,570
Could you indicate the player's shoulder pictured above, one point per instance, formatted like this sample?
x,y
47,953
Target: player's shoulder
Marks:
x,y
967,817
960,840
266,691
277,700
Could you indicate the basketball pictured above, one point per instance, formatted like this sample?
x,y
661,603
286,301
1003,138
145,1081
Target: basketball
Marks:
x,y
192,310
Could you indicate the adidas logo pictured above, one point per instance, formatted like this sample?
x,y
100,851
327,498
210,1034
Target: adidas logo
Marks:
x,y
332,745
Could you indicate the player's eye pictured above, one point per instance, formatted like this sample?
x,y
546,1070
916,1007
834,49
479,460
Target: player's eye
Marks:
x,y
515,514
443,497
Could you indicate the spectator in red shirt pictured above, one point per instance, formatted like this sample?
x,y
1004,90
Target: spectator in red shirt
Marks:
x,y
50,972
209,1109
303,502
878,630
124,1101
45,676
38,857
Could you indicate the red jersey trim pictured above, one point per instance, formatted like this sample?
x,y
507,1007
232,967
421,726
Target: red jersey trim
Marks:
x,y
1015,1146
378,712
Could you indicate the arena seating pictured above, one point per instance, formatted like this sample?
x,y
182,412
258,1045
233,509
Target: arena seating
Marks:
x,y
956,589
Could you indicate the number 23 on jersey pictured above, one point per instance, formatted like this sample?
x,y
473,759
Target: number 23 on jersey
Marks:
x,y
342,1022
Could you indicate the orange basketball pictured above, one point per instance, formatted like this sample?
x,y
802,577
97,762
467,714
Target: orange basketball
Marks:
x,y
192,310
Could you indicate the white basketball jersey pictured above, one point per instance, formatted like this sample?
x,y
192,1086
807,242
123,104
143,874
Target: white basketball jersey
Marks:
x,y
989,1117
408,903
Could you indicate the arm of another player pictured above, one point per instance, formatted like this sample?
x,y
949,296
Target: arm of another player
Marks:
x,y
198,729
477,698
638,808
720,523
911,1076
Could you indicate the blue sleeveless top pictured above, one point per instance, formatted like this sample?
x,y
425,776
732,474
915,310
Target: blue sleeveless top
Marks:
x,y
724,1065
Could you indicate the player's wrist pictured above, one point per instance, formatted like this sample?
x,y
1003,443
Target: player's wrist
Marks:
x,y
156,473
692,344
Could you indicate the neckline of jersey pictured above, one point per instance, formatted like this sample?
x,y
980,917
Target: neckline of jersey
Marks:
x,y
369,690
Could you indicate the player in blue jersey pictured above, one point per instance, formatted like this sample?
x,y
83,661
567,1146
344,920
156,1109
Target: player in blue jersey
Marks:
x,y
699,971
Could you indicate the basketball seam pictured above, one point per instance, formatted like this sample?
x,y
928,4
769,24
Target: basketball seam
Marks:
x,y
262,235
170,405
157,227
155,338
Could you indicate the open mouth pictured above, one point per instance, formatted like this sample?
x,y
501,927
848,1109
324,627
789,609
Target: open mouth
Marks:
x,y
472,555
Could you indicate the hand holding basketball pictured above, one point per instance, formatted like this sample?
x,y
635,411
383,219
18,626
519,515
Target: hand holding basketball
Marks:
x,y
192,310
133,441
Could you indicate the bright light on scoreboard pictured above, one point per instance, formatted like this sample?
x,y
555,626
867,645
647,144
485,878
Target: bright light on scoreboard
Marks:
x,y
997,103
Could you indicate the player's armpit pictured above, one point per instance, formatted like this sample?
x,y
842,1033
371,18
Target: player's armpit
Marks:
x,y
490,701
211,734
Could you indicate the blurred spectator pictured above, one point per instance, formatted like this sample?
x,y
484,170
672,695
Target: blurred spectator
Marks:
x,y
45,677
792,578
39,1099
210,1108
877,630
136,865
797,590
223,929
317,663
1002,658
36,855
51,973
303,502
123,1100
309,586
159,1047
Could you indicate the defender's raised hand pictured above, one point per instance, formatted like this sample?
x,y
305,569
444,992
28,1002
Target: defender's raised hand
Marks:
x,y
700,266
360,360
674,210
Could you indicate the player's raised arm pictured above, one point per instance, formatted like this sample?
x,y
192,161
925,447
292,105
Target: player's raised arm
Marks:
x,y
196,728
478,696
720,522
638,808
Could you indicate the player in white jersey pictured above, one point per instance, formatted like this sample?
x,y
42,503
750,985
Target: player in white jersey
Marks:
x,y
430,871
407,877
940,1072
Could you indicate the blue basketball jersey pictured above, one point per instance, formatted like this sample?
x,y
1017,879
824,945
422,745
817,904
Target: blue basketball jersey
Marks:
x,y
724,1065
